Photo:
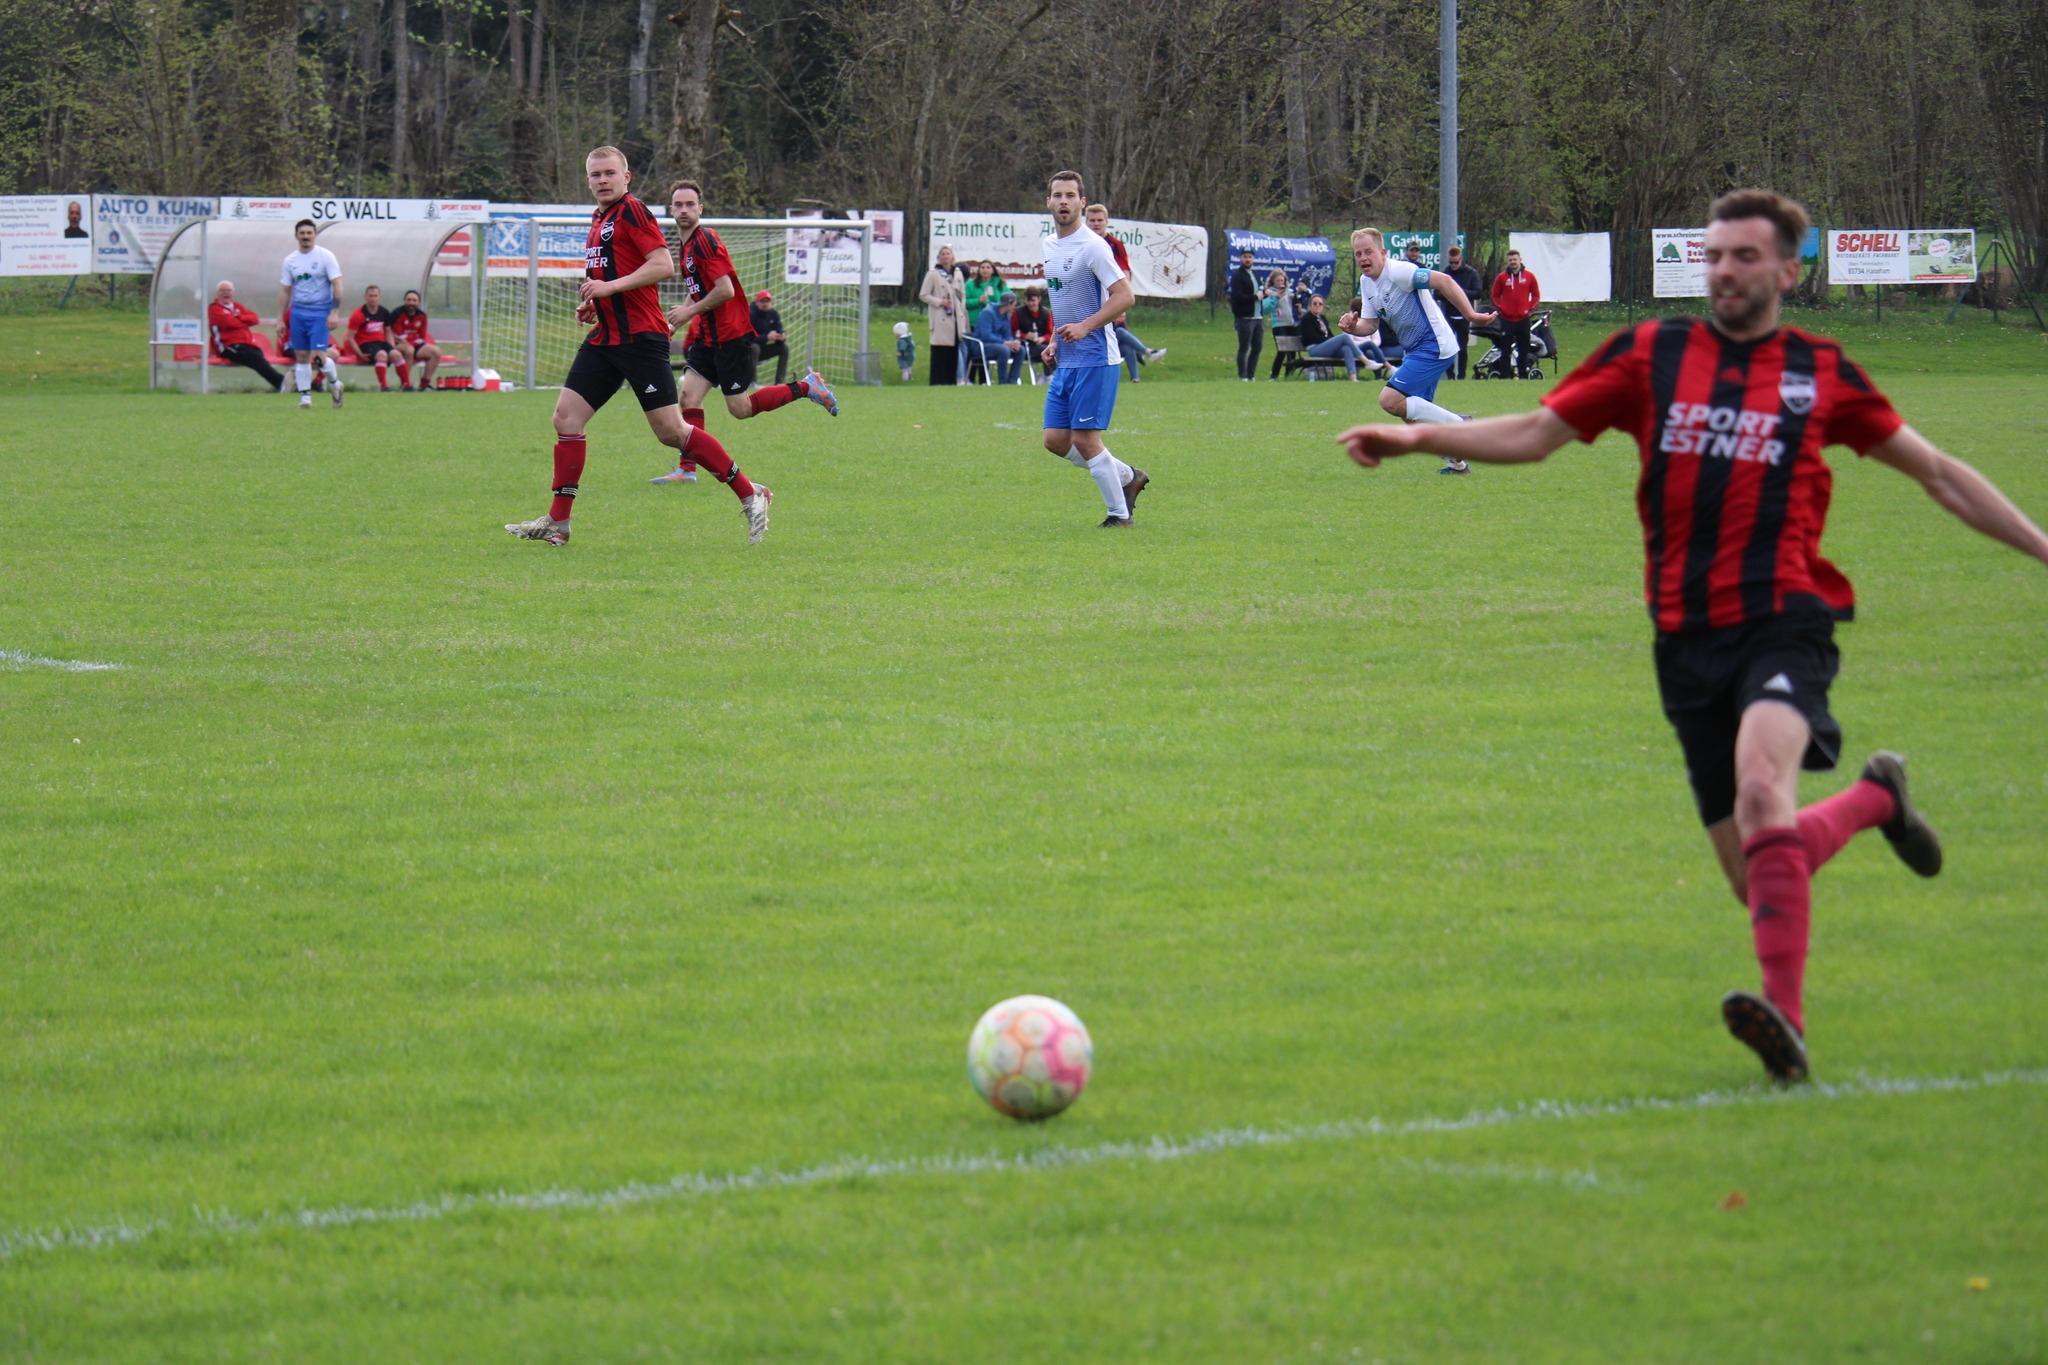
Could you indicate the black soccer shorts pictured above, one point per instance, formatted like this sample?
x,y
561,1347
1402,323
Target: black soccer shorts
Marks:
x,y
730,366
641,364
370,350
1709,678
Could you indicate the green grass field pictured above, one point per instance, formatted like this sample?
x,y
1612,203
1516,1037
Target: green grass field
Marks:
x,y
426,946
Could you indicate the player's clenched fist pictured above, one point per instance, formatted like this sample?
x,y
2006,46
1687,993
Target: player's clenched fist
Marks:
x,y
1368,445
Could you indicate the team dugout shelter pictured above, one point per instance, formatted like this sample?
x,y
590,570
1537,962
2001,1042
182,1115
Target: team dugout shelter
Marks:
x,y
434,254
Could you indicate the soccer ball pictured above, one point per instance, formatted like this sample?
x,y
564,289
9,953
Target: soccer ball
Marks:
x,y
1030,1057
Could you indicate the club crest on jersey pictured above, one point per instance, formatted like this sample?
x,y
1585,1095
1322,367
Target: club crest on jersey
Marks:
x,y
604,234
1797,391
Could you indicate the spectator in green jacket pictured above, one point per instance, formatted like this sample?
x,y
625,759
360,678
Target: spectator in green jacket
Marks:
x,y
982,291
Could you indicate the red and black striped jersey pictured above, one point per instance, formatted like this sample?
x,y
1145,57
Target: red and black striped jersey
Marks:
x,y
623,234
1734,492
705,262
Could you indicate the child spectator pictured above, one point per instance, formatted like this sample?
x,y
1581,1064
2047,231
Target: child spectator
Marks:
x,y
906,350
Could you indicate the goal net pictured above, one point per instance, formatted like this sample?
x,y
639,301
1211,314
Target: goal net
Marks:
x,y
533,268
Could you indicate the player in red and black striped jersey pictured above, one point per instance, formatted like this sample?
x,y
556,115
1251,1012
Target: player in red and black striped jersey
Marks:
x,y
719,347
625,260
1730,417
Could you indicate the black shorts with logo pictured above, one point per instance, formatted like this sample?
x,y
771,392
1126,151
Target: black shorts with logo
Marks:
x,y
1708,678
641,364
729,366
370,350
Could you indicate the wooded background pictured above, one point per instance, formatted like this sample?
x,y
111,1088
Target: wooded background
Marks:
x,y
1579,115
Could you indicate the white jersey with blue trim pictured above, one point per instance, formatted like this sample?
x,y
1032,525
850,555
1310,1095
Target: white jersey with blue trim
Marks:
x,y
310,275
1079,269
1402,299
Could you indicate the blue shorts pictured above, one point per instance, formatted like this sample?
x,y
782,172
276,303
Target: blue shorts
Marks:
x,y
309,330
1080,397
1419,374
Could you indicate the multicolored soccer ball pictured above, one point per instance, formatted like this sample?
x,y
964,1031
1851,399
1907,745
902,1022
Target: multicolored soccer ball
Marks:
x,y
1030,1057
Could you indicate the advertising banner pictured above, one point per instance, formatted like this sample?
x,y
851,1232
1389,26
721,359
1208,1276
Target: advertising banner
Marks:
x,y
1168,260
1432,246
46,234
1678,263
1902,256
1570,267
129,230
824,256
248,208
1310,262
560,248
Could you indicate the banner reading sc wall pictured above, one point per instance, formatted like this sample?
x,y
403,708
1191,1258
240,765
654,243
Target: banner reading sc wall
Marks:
x,y
1168,260
1902,256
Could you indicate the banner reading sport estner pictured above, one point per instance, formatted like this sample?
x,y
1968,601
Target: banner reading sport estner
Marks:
x,y
1168,260
129,230
46,234
1902,256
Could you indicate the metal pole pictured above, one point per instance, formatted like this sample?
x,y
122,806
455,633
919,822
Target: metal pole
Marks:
x,y
479,280
205,360
864,365
817,290
532,296
1447,156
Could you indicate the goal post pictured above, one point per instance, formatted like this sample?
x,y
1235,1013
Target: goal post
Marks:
x,y
532,268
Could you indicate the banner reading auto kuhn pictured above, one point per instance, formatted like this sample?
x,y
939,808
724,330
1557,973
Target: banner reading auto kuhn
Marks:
x,y
1902,255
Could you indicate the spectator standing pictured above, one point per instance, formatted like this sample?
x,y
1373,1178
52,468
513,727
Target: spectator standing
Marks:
x,y
1516,294
229,322
944,294
769,333
1468,280
906,350
1000,352
1032,322
1280,309
1246,315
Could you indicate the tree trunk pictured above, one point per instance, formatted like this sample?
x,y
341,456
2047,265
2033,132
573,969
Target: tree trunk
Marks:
x,y
401,98
639,84
1296,83
535,47
689,136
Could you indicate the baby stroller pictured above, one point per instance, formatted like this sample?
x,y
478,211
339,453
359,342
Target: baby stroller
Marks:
x,y
1495,363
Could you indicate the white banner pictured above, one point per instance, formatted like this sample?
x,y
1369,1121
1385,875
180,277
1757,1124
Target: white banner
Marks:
x,y
1678,263
129,230
46,234
1168,260
822,256
1569,267
1902,256
246,208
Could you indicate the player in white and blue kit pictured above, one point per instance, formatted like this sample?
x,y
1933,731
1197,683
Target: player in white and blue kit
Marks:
x,y
1088,290
1403,297
309,286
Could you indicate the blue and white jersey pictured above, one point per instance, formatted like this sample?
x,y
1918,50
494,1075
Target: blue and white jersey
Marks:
x,y
1402,299
1079,269
310,275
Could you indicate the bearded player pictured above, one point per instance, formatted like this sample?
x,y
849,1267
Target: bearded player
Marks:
x,y
720,349
1088,293
1730,417
625,260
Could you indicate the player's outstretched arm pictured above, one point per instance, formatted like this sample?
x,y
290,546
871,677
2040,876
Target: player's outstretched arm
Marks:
x,y
1522,439
1974,499
1450,289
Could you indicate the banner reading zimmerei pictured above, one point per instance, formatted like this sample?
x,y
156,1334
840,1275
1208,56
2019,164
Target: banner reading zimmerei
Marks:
x,y
1902,255
1168,260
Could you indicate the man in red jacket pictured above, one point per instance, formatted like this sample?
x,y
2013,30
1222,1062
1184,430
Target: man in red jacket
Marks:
x,y
1516,295
228,323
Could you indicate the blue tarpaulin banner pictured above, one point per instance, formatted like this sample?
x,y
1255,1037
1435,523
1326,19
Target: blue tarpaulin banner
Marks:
x,y
1310,262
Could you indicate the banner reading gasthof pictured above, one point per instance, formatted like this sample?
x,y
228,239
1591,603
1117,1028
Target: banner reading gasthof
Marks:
x,y
1168,260
1902,255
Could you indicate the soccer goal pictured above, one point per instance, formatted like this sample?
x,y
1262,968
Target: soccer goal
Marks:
x,y
817,271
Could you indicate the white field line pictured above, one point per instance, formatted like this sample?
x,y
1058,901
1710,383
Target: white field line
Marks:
x,y
700,1185
15,658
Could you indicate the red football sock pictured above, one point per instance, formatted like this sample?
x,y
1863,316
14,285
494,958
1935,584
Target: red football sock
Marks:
x,y
569,452
405,373
1826,825
1780,913
769,397
383,375
695,417
704,448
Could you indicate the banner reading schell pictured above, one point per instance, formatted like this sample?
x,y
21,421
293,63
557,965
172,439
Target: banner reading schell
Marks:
x,y
1902,256
1168,260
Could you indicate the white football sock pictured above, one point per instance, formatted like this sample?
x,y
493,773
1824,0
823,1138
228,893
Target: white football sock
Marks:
x,y
303,372
1422,410
1123,471
327,368
1103,469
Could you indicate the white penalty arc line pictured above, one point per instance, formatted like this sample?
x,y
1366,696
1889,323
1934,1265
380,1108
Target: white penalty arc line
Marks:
x,y
698,1185
15,658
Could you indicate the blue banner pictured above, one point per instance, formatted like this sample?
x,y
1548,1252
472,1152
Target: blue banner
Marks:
x,y
1310,262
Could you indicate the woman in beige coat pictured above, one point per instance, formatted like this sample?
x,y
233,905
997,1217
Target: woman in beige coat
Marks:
x,y
944,294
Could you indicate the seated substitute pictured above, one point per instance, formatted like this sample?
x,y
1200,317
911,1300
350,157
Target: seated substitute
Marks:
x,y
770,336
1032,323
996,345
369,337
228,324
416,345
